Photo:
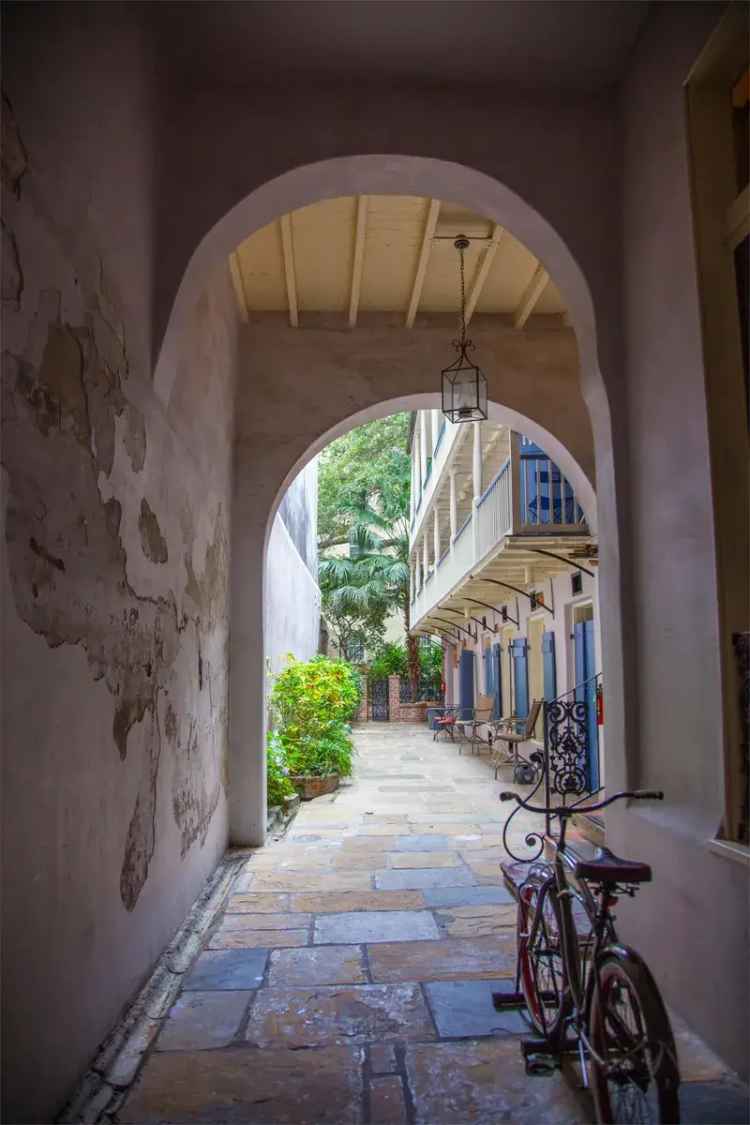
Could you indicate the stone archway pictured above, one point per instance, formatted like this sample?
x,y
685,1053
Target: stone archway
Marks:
x,y
250,540
267,460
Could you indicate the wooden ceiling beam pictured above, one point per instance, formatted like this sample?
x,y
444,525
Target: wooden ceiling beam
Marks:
x,y
287,247
531,295
424,257
483,272
239,285
359,259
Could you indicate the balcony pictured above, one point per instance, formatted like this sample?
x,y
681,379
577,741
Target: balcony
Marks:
x,y
528,508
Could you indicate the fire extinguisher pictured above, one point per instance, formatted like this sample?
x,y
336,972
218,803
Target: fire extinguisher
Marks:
x,y
599,706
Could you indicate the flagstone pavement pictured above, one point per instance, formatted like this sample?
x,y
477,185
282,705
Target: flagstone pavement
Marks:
x,y
349,977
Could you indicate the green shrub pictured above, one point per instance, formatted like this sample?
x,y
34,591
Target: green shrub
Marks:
x,y
390,660
278,785
329,752
311,704
431,666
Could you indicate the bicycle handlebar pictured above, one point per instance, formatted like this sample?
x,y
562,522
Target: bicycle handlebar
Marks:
x,y
568,810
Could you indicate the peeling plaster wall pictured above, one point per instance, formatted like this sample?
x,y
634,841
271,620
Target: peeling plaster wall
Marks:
x,y
115,583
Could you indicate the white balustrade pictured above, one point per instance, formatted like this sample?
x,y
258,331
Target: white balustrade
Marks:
x,y
547,503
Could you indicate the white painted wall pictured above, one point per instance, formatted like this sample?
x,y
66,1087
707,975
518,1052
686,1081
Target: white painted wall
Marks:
x,y
292,605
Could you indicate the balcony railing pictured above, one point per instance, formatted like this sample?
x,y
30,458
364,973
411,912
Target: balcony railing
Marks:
x,y
494,511
529,496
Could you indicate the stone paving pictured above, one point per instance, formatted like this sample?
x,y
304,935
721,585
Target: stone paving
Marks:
x,y
349,978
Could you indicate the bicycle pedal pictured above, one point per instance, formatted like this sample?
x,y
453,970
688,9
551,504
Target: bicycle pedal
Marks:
x,y
503,1000
541,1066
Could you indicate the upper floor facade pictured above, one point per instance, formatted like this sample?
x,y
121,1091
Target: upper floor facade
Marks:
x,y
489,508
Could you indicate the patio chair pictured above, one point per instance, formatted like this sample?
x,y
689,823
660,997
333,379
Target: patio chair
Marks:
x,y
510,733
472,719
444,722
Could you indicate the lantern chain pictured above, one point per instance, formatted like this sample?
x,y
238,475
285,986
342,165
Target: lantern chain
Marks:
x,y
463,299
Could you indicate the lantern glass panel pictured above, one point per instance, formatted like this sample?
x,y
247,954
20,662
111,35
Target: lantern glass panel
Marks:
x,y
464,394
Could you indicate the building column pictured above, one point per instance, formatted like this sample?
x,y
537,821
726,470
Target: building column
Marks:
x,y
425,556
477,486
418,470
477,460
436,532
423,435
453,517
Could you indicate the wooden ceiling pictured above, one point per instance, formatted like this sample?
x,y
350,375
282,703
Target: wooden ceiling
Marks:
x,y
388,253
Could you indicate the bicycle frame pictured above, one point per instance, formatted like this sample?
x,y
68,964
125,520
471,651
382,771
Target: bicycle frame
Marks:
x,y
578,981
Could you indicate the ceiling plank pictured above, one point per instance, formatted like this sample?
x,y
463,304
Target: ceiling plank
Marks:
x,y
287,246
531,295
424,257
359,259
484,269
239,286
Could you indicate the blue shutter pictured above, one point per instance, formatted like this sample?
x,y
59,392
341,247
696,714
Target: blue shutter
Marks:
x,y
520,676
550,674
466,690
498,680
586,692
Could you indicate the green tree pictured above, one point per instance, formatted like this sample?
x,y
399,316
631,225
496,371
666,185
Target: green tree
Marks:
x,y
368,467
375,575
364,481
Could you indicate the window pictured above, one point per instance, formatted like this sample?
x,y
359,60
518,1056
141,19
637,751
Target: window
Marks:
x,y
576,583
355,652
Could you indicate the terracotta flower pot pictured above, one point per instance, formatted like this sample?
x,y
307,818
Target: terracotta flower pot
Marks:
x,y
310,787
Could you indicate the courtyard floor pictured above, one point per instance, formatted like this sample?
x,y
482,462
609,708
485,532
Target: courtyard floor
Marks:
x,y
349,977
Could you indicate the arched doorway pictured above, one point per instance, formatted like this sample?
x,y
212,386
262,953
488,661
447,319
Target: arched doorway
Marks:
x,y
279,445
251,546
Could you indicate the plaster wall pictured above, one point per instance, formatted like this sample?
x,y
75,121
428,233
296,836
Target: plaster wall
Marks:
x,y
299,512
700,899
292,599
115,567
137,180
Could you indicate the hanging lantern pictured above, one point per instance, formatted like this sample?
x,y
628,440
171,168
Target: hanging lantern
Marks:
x,y
464,386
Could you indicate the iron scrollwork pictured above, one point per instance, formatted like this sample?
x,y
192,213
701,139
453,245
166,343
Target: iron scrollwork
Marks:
x,y
567,743
532,839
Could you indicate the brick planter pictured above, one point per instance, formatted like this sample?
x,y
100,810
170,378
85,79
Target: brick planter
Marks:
x,y
406,712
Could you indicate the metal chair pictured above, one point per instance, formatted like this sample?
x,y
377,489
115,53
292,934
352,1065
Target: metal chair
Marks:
x,y
471,721
444,722
512,732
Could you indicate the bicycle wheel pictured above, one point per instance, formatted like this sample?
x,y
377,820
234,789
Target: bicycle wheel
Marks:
x,y
540,956
634,1071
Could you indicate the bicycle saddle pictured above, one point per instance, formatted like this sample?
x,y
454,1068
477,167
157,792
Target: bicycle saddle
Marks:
x,y
607,867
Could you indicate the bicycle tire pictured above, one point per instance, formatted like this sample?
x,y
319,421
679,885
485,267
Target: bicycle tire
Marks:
x,y
540,958
637,1086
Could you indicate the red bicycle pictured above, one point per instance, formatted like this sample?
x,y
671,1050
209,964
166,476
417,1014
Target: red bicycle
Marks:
x,y
585,991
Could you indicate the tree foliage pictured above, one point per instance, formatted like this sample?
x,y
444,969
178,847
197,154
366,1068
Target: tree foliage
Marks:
x,y
368,467
363,501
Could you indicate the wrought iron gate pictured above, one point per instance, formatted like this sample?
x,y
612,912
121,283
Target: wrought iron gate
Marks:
x,y
379,708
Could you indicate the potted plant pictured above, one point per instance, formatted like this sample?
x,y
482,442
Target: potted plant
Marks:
x,y
311,704
317,764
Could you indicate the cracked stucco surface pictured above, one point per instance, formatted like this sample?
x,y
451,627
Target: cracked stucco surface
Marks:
x,y
108,547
